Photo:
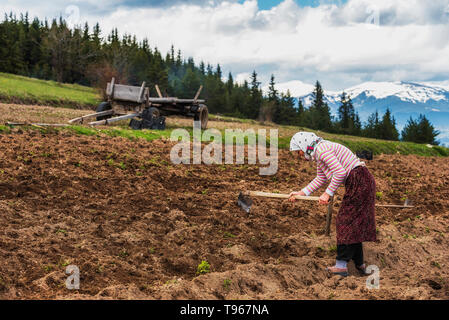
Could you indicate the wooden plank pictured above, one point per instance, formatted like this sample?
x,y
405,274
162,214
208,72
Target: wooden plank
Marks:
x,y
141,92
197,94
110,88
190,101
127,93
158,91
98,114
174,101
106,121
37,124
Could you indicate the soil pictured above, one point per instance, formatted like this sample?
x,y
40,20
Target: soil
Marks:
x,y
138,226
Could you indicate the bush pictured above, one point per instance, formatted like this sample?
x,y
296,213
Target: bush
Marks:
x,y
203,268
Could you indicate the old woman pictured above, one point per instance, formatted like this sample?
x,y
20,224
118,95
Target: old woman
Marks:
x,y
356,218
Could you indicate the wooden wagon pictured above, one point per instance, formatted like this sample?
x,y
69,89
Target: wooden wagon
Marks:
x,y
131,102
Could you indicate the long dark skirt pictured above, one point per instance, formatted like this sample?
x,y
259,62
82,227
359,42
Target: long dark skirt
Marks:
x,y
356,220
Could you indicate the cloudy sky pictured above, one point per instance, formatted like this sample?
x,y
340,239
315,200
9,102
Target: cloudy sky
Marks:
x,y
339,42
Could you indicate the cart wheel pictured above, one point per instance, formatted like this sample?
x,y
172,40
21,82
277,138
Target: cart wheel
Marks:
x,y
153,113
104,106
203,116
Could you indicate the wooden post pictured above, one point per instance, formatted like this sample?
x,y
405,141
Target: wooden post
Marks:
x,y
112,88
329,216
158,91
142,90
197,94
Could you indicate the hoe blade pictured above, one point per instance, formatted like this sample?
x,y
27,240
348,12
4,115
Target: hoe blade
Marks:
x,y
408,203
245,202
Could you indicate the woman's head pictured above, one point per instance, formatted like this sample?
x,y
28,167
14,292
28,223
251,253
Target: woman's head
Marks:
x,y
303,144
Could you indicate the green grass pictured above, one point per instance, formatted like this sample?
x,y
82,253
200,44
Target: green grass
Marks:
x,y
148,135
357,144
353,143
18,89
4,129
214,117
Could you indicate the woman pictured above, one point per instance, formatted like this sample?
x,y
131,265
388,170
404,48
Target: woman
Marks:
x,y
356,217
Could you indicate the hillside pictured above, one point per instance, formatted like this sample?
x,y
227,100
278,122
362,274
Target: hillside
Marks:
x,y
24,90
42,114
27,93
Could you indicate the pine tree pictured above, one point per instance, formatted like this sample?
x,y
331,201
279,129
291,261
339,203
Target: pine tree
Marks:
x,y
388,129
255,102
357,130
420,131
319,111
272,92
344,117
191,83
230,84
285,112
301,114
372,127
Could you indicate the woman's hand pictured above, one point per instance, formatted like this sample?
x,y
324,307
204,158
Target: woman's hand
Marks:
x,y
324,199
293,194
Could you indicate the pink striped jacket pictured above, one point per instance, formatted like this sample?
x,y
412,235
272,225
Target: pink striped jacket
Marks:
x,y
334,162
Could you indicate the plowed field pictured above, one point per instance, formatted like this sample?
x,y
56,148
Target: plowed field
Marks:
x,y
138,226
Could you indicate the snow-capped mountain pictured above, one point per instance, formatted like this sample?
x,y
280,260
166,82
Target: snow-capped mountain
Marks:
x,y
405,100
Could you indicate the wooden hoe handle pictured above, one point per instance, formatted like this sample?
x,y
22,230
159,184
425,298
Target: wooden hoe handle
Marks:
x,y
279,196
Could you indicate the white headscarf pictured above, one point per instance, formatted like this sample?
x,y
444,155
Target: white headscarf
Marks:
x,y
303,140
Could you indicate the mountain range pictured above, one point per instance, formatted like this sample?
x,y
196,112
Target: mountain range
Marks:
x,y
404,99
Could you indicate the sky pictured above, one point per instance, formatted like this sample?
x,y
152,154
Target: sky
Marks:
x,y
341,43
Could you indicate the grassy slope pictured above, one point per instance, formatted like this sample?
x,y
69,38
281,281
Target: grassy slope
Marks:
x,y
18,89
26,90
354,143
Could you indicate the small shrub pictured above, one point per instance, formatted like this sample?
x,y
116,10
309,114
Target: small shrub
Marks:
x,y
122,166
123,253
203,268
47,268
228,235
226,284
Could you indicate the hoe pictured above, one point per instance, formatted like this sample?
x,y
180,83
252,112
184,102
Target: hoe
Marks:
x,y
245,202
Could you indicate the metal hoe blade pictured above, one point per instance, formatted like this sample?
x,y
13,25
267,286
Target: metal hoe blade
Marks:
x,y
408,203
245,202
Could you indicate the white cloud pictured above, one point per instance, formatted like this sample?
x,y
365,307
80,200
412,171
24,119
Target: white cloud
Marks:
x,y
241,77
330,43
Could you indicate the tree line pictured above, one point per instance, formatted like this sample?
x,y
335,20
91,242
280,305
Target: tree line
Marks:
x,y
54,51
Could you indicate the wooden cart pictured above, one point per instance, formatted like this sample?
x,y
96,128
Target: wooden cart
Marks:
x,y
131,102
